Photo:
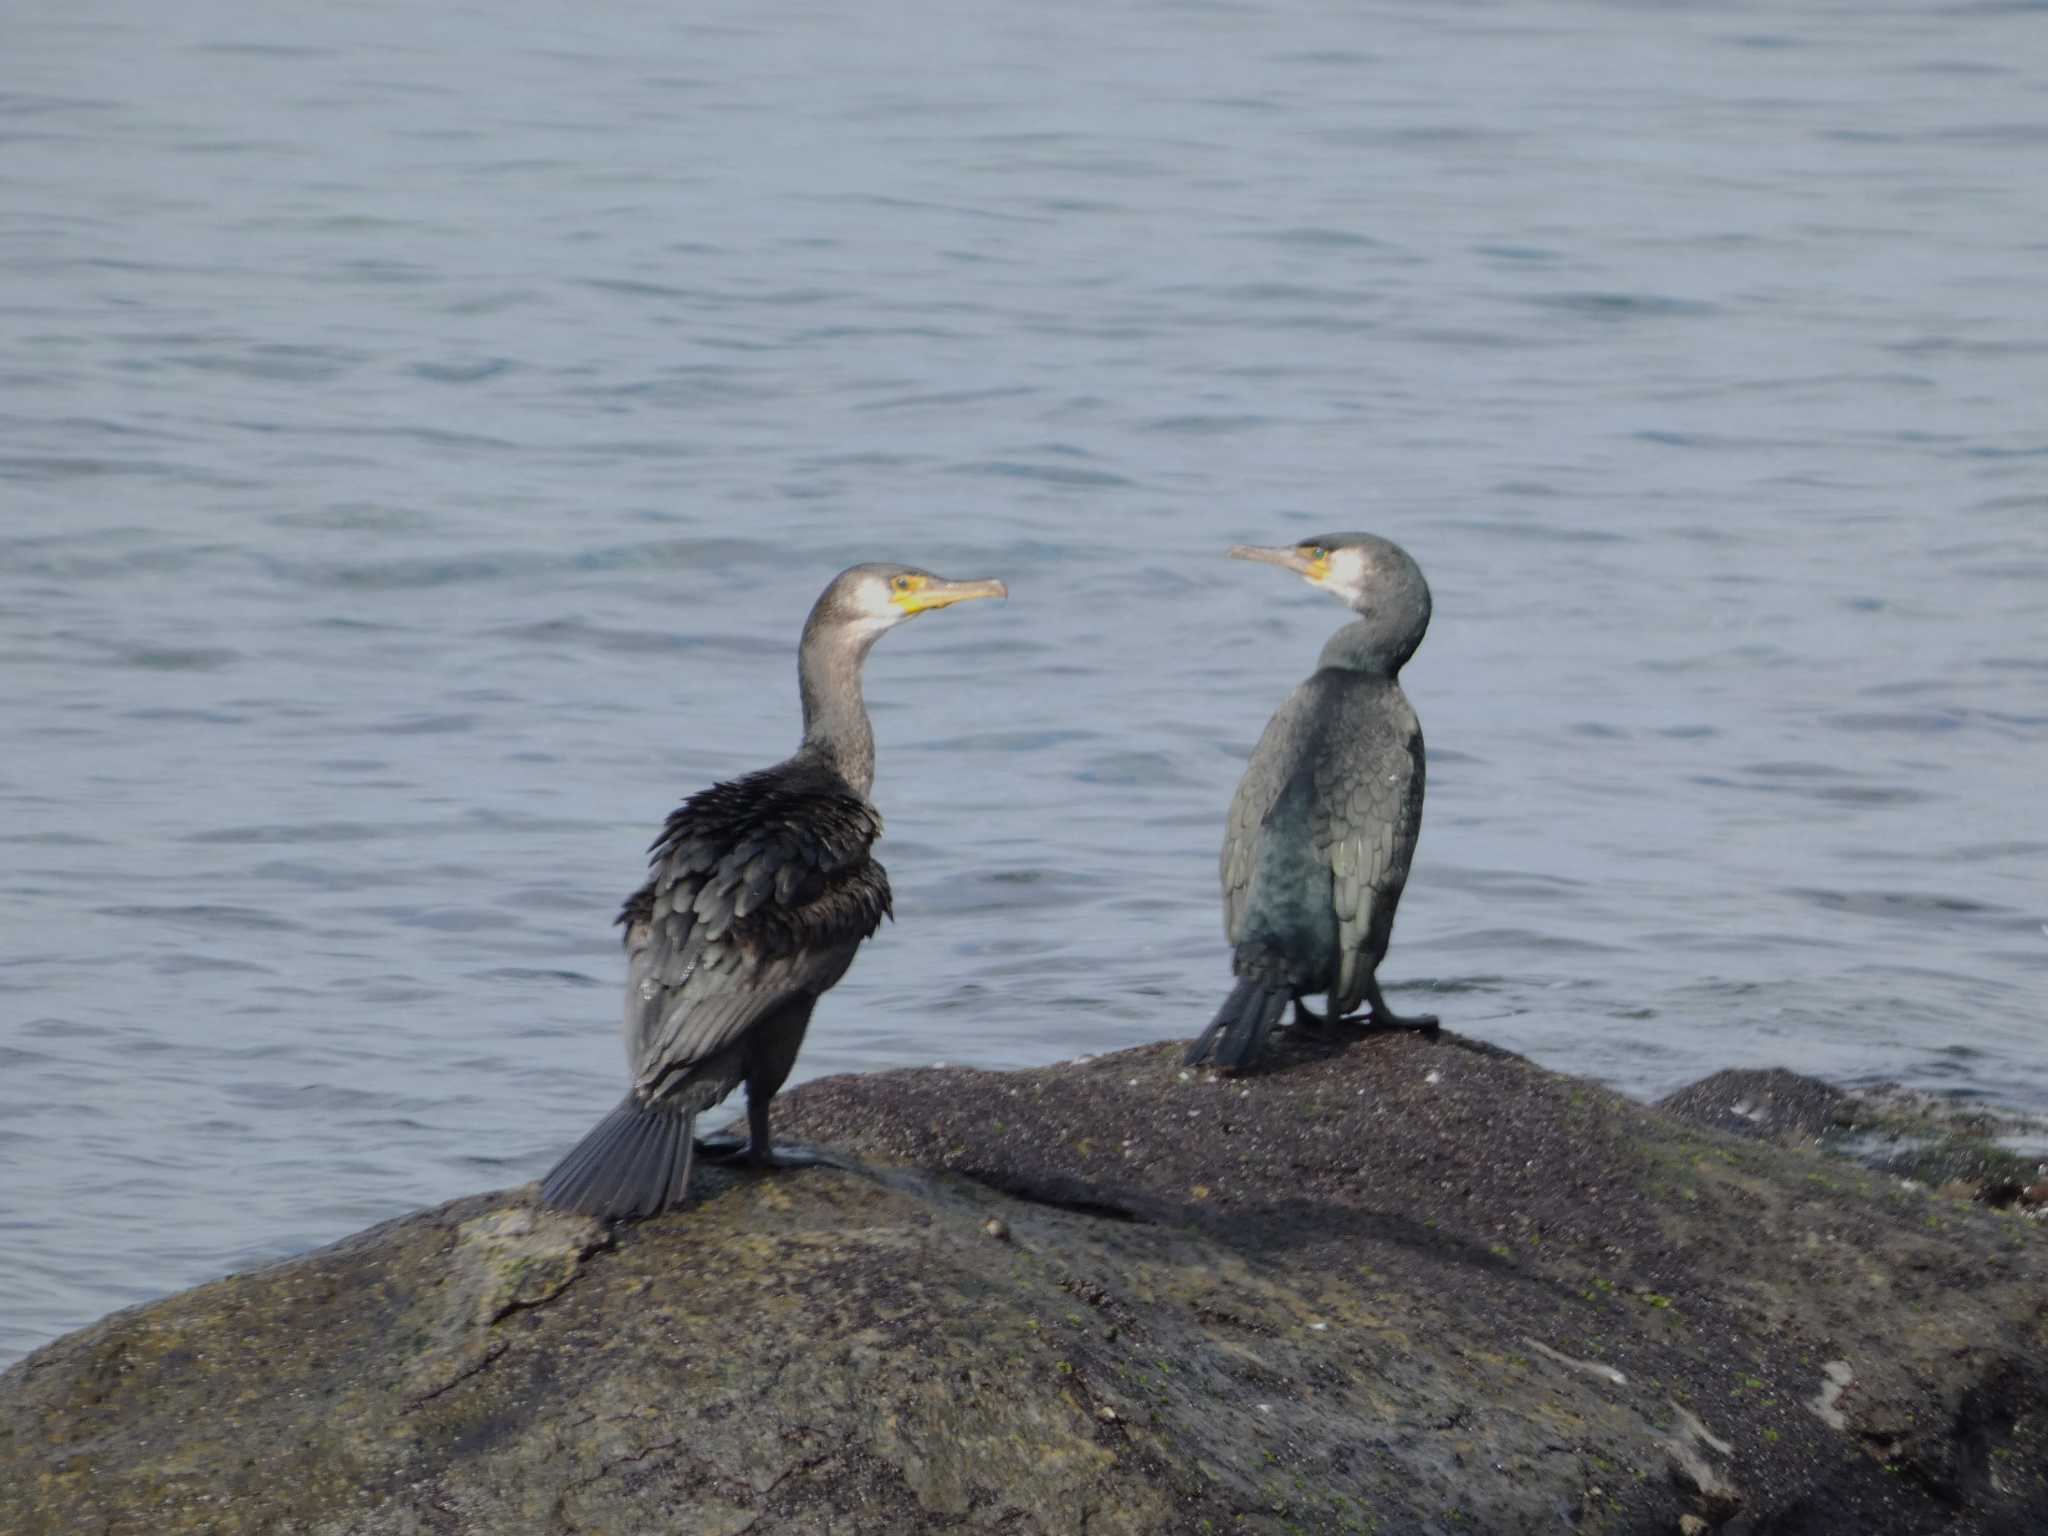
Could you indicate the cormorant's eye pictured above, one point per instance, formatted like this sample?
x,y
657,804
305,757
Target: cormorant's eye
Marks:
x,y
1318,552
901,583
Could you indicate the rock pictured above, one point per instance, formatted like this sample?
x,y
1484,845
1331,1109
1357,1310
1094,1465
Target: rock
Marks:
x,y
500,1261
1960,1148
1695,1455
1479,1303
1781,1105
1692,1525
1837,1376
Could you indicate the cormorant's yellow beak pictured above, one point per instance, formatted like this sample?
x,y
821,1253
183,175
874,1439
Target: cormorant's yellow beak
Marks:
x,y
1301,559
926,592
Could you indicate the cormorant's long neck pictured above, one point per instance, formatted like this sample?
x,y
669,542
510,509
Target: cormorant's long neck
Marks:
x,y
1364,645
835,716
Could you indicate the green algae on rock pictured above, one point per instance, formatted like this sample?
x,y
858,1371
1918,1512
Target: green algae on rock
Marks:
x,y
1408,1285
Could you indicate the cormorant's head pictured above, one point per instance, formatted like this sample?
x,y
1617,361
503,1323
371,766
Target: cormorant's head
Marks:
x,y
1362,570
1374,577
866,601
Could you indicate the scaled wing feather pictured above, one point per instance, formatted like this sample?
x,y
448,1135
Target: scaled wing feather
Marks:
x,y
762,889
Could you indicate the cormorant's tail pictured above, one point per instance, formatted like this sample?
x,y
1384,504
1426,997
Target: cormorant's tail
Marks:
x,y
1239,1028
635,1163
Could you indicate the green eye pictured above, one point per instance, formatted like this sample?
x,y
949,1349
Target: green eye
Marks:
x,y
1318,552
901,583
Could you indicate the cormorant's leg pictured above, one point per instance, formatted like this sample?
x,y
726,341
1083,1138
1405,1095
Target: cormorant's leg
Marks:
x,y
1303,1014
1383,1017
770,1052
762,1151
758,1150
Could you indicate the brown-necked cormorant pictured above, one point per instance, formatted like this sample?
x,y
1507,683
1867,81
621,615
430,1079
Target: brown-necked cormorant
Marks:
x,y
762,889
1324,824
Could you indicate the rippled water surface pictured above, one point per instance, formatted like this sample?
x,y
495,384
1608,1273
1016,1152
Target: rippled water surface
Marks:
x,y
424,429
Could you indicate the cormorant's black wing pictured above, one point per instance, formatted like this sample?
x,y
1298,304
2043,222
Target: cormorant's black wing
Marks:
x,y
1272,764
1368,815
762,889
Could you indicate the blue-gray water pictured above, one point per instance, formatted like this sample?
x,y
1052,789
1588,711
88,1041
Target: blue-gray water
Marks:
x,y
424,428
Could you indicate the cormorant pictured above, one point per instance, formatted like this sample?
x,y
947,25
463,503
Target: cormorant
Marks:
x,y
762,889
1324,824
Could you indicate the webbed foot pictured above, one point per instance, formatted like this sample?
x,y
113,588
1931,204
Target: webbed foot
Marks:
x,y
721,1147
730,1149
1383,1018
1421,1023
797,1154
1375,1020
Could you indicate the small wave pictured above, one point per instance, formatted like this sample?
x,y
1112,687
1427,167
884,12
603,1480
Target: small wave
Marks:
x,y
1061,475
463,370
33,467
177,658
1317,237
163,715
204,916
999,741
1622,306
277,362
942,399
1206,426
507,565
1523,939
1831,793
1133,770
1910,906
1504,882
188,962
528,973
297,832
1531,530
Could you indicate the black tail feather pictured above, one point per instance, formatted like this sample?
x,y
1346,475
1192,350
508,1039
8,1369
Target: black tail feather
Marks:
x,y
636,1162
1234,1036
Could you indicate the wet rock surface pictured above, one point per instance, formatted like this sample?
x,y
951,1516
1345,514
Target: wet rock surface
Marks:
x,y
1962,1148
1774,1104
1404,1285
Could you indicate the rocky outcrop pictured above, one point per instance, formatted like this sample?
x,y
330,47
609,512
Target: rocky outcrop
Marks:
x,y
1965,1149
1406,1286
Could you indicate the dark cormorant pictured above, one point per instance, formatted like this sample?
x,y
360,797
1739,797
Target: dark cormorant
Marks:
x,y
762,889
1325,820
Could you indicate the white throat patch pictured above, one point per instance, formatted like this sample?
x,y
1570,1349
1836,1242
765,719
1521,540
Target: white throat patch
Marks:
x,y
1347,571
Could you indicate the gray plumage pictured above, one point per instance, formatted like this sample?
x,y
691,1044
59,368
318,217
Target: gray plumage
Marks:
x,y
761,890
1324,824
